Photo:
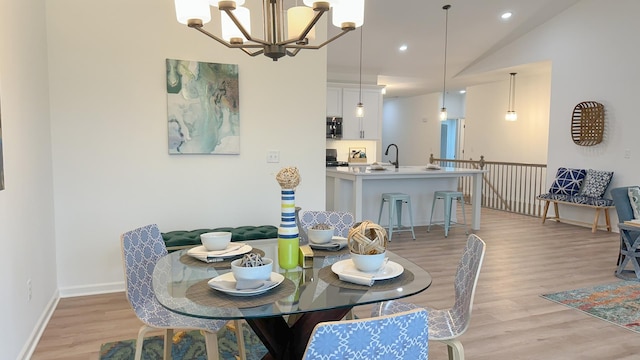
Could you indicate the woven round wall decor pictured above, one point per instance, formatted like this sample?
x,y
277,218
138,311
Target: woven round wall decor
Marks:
x,y
587,123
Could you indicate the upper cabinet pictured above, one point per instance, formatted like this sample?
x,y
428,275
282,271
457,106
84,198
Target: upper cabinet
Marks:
x,y
346,98
334,101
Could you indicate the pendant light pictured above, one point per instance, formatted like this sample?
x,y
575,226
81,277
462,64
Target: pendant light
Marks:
x,y
511,111
443,110
360,106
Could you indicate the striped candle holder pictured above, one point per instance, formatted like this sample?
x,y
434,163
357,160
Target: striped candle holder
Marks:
x,y
288,236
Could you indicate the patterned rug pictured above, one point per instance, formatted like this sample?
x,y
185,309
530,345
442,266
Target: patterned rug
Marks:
x,y
617,303
187,345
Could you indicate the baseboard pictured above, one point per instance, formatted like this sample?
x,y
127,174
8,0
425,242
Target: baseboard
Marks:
x,y
34,338
96,289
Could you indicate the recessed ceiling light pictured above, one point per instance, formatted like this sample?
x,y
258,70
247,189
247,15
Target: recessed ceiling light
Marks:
x,y
463,91
506,15
403,47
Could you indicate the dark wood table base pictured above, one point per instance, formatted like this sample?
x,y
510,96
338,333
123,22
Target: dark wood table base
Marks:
x,y
286,342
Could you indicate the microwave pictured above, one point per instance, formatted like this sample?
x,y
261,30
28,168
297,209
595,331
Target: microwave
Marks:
x,y
334,127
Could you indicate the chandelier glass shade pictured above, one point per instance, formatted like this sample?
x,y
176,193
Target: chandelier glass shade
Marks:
x,y
299,21
511,112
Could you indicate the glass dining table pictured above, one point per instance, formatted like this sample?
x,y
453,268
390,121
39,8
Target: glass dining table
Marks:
x,y
284,316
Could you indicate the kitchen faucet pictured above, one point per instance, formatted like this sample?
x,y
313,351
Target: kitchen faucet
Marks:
x,y
387,153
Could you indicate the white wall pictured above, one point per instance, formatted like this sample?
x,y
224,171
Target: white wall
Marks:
x,y
108,112
487,133
103,131
591,47
27,232
413,123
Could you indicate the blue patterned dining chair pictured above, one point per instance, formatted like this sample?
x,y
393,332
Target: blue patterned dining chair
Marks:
x,y
341,221
447,325
141,249
399,336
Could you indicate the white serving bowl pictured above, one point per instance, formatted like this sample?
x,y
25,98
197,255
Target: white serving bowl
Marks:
x,y
368,263
252,273
218,240
320,236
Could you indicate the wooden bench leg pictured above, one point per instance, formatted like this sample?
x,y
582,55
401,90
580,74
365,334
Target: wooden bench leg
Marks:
x,y
544,213
606,216
555,208
594,227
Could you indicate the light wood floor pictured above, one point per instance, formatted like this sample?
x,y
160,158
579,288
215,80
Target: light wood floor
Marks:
x,y
510,320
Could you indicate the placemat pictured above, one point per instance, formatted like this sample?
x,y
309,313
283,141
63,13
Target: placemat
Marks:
x,y
201,293
323,253
327,275
191,261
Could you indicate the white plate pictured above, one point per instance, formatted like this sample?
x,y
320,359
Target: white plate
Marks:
x,y
201,250
336,243
275,277
389,271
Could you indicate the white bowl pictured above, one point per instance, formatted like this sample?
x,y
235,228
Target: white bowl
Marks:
x,y
252,273
320,236
218,240
368,263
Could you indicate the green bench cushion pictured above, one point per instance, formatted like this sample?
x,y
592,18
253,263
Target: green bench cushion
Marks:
x,y
181,238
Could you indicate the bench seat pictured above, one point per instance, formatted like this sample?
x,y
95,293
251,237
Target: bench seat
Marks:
x,y
597,203
181,239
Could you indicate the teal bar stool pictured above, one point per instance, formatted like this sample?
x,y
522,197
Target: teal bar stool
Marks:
x,y
395,201
448,197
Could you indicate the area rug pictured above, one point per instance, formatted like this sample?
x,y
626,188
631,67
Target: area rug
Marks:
x,y
617,303
187,345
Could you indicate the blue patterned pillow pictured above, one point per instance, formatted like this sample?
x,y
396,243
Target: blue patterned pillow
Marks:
x,y
568,181
596,183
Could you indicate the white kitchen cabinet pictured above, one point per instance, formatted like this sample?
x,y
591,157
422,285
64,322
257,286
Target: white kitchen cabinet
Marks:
x,y
334,101
368,127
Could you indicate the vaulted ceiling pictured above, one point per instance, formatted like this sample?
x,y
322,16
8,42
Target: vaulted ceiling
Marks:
x,y
475,29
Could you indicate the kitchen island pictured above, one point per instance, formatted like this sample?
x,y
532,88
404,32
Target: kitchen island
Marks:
x,y
359,190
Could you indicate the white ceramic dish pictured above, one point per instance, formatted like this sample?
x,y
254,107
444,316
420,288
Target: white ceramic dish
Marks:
x,y
261,272
275,277
318,236
201,250
389,271
336,243
217,240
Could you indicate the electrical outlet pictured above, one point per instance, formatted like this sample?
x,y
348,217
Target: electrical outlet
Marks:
x,y
29,293
273,156
627,154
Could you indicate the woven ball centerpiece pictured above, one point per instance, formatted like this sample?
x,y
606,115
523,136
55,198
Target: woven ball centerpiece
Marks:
x,y
288,177
367,238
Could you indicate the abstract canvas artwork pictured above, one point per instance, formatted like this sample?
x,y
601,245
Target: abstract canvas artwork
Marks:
x,y
202,108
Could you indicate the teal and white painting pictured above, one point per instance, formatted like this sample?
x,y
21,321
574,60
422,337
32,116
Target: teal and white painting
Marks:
x,y
202,108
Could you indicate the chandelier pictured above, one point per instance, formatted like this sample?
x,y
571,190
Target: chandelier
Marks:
x,y
299,20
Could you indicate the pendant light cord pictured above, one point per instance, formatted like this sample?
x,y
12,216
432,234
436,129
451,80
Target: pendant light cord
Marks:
x,y
446,33
360,98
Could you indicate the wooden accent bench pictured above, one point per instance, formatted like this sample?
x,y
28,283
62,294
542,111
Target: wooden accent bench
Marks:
x,y
597,204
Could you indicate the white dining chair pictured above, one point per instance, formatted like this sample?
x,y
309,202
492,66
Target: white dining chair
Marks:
x,y
399,336
447,325
141,249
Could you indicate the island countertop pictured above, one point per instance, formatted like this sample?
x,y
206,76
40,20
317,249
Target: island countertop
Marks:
x,y
402,171
358,189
